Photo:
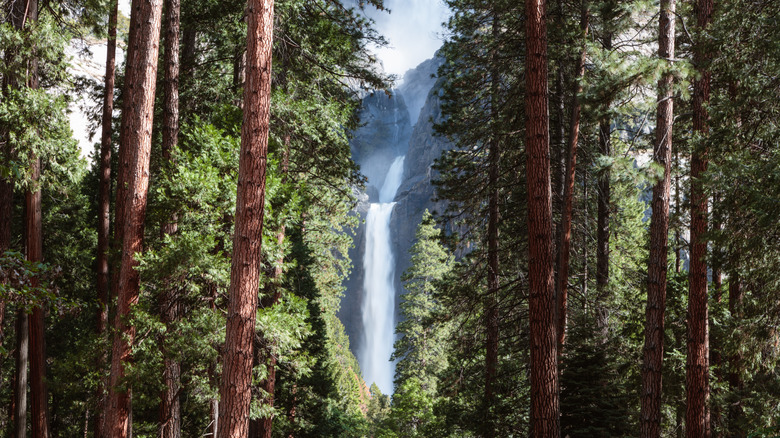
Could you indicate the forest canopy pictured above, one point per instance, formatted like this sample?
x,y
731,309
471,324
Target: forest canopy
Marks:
x,y
600,256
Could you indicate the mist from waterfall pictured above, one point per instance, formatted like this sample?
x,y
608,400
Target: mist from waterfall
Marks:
x,y
379,286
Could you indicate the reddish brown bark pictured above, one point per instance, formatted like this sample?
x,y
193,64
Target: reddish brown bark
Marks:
x,y
104,206
104,201
170,128
34,239
562,281
650,396
132,185
236,382
170,406
697,381
545,411
39,419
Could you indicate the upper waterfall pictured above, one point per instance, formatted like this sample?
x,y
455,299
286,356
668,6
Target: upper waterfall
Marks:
x,y
392,180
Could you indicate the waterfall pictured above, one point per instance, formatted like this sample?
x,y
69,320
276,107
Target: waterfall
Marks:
x,y
379,286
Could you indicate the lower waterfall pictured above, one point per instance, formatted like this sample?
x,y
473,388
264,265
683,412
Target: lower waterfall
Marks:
x,y
378,310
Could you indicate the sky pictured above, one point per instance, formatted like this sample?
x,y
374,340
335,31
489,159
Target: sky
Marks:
x,y
413,29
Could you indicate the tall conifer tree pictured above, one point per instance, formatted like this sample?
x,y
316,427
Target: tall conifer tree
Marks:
x,y
235,391
132,185
545,421
697,422
104,206
170,307
650,414
562,285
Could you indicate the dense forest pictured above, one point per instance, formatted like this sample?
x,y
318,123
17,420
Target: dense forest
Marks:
x,y
603,259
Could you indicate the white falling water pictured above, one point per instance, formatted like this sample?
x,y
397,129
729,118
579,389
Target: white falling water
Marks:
x,y
379,286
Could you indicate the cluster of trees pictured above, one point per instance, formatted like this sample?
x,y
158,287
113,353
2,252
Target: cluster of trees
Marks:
x,y
143,294
615,269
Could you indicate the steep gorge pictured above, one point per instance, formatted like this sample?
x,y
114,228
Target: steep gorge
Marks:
x,y
397,124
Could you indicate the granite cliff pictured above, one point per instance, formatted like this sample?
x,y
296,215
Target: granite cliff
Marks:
x,y
399,123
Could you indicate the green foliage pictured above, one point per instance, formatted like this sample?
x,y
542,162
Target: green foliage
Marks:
x,y
322,62
33,108
421,348
596,393
24,283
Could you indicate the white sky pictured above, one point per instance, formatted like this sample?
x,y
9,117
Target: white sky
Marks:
x,y
413,29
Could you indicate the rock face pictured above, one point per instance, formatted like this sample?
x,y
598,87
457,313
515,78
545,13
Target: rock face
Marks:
x,y
384,134
387,132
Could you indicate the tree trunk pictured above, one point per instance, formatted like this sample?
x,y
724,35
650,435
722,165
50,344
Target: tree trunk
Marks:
x,y
559,132
735,359
235,388
716,344
264,428
20,381
170,407
568,189
132,186
493,282
104,205
6,216
650,411
602,232
34,243
34,240
545,410
698,364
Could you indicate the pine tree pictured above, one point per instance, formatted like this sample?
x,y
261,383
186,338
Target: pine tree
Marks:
x,y
650,415
697,417
420,349
170,303
562,279
544,371
245,271
104,206
132,185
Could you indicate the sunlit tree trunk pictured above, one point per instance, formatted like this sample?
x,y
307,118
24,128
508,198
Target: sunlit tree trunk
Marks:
x,y
650,411
235,387
545,410
697,387
132,186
